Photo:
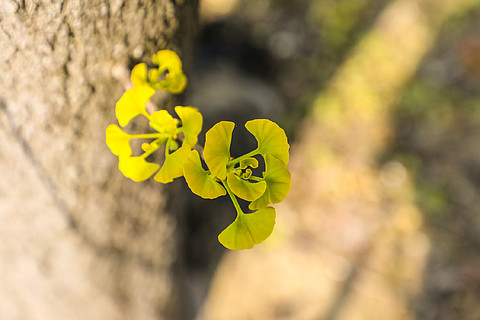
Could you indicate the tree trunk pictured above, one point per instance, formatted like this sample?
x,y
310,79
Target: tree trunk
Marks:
x,y
78,240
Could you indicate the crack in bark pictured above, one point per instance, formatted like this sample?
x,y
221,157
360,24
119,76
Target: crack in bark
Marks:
x,y
62,5
70,36
108,15
120,10
46,181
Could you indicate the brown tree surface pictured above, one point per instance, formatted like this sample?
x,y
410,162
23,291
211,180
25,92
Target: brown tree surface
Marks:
x,y
78,240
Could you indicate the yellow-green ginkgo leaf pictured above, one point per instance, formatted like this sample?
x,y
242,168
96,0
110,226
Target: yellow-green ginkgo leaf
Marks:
x,y
248,229
139,75
244,189
163,122
217,148
175,80
249,162
201,182
270,137
278,181
132,103
173,166
167,59
136,168
192,121
246,174
118,141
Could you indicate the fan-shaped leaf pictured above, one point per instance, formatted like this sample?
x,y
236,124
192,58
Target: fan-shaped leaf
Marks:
x,y
167,59
173,166
139,75
249,162
136,168
244,189
270,137
278,181
118,141
201,182
248,229
217,148
132,103
175,81
163,122
192,121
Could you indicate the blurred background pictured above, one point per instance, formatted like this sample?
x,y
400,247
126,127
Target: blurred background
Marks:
x,y
381,103
380,100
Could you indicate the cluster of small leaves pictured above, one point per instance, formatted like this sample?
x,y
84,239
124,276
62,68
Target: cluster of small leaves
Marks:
x,y
225,174
177,136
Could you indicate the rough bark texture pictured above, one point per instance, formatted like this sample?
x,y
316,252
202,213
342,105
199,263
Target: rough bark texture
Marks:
x,y
78,240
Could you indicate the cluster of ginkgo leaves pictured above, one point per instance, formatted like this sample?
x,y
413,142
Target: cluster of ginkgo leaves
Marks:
x,y
178,138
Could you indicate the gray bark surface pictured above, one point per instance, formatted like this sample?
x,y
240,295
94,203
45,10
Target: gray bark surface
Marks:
x,y
77,239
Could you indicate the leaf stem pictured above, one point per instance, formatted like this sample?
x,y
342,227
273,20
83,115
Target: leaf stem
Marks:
x,y
232,196
247,155
146,136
